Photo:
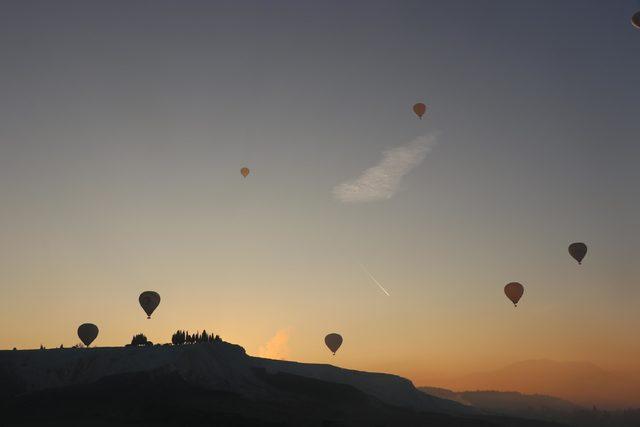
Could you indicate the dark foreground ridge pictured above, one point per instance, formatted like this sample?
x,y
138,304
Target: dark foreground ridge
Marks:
x,y
212,384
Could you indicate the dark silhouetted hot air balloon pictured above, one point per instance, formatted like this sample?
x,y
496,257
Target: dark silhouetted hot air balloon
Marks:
x,y
244,172
149,301
87,332
578,251
333,341
514,291
635,19
419,109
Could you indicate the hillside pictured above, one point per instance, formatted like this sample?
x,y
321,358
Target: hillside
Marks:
x,y
220,366
213,383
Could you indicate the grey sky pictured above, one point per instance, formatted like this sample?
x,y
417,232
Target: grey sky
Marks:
x,y
123,127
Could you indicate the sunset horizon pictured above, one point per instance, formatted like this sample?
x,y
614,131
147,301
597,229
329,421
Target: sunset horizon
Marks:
x,y
442,191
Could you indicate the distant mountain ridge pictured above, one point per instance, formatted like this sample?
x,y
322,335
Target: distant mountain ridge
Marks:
x,y
536,406
539,407
581,382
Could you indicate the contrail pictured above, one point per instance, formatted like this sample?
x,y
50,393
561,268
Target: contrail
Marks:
x,y
374,279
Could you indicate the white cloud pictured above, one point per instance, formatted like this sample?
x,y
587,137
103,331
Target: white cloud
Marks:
x,y
278,346
382,181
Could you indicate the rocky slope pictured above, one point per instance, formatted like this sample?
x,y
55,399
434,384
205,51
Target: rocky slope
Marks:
x,y
213,366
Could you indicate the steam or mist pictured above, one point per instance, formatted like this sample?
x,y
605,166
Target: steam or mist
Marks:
x,y
278,346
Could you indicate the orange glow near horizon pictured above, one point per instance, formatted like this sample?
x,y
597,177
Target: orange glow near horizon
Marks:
x,y
121,148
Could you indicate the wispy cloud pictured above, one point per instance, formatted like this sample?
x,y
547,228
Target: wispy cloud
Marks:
x,y
278,346
382,181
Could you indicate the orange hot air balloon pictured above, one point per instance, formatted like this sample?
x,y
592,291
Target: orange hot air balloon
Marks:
x,y
149,301
578,251
244,172
635,20
333,341
87,332
514,291
419,109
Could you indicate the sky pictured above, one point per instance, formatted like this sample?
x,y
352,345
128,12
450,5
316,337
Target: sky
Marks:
x,y
124,126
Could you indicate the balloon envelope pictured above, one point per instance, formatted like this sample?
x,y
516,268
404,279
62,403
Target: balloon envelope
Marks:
x,y
244,172
333,341
419,109
514,292
635,20
149,301
578,251
87,332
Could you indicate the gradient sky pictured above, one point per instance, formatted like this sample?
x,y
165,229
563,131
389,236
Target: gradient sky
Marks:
x,y
123,127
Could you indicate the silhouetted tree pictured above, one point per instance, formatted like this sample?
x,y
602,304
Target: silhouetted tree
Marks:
x,y
178,338
184,337
139,339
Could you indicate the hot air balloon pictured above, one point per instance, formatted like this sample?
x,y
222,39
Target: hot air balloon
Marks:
x,y
578,251
244,172
635,20
333,341
149,301
419,109
514,291
87,332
